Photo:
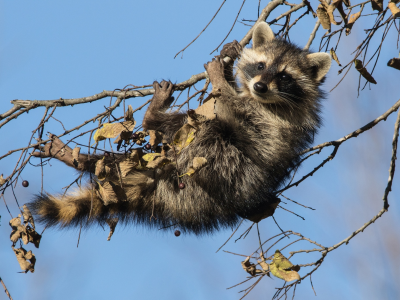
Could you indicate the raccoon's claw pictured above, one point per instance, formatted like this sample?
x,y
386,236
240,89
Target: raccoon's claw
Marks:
x,y
163,94
164,88
232,50
215,70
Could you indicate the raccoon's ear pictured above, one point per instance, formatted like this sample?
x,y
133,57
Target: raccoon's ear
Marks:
x,y
321,63
262,34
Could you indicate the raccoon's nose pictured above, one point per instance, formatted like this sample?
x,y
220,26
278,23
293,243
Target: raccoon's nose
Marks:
x,y
260,87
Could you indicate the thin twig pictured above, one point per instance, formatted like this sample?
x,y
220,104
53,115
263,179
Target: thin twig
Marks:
x,y
5,289
230,30
202,30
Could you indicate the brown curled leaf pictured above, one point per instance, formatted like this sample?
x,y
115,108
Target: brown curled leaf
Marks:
x,y
323,17
198,163
263,264
129,114
112,130
394,9
18,231
159,162
23,256
363,71
352,19
127,166
75,155
107,193
2,180
195,120
112,222
33,236
150,156
183,137
336,4
249,267
156,137
394,63
100,170
334,56
377,5
27,215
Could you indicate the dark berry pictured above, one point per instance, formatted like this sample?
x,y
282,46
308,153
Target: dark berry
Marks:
x,y
177,233
106,154
181,185
25,183
134,136
148,146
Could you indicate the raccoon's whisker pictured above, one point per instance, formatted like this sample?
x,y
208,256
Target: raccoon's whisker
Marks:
x,y
288,102
292,96
246,74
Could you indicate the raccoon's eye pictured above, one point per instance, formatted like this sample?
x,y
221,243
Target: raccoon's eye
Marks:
x,y
285,77
260,66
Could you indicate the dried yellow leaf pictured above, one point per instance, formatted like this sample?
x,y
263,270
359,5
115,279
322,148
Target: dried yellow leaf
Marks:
x,y
112,130
22,257
2,180
27,215
323,17
159,162
150,156
183,137
282,268
363,71
198,163
18,231
334,56
394,9
352,19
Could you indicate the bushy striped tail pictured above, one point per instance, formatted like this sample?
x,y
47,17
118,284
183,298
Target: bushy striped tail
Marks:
x,y
80,208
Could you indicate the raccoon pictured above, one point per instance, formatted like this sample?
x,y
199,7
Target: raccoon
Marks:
x,y
261,125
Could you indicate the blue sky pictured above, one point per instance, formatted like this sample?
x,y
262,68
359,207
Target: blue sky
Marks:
x,y
68,49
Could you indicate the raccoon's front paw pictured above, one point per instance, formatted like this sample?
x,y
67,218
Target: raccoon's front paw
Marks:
x,y
215,70
162,98
232,50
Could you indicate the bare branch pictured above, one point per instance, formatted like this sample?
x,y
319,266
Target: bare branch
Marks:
x,y
202,30
5,289
312,35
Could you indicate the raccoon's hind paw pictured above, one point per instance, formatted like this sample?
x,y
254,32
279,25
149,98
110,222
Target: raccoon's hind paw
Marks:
x,y
162,98
232,50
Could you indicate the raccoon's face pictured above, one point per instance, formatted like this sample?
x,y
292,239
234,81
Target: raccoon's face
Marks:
x,y
271,79
276,71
